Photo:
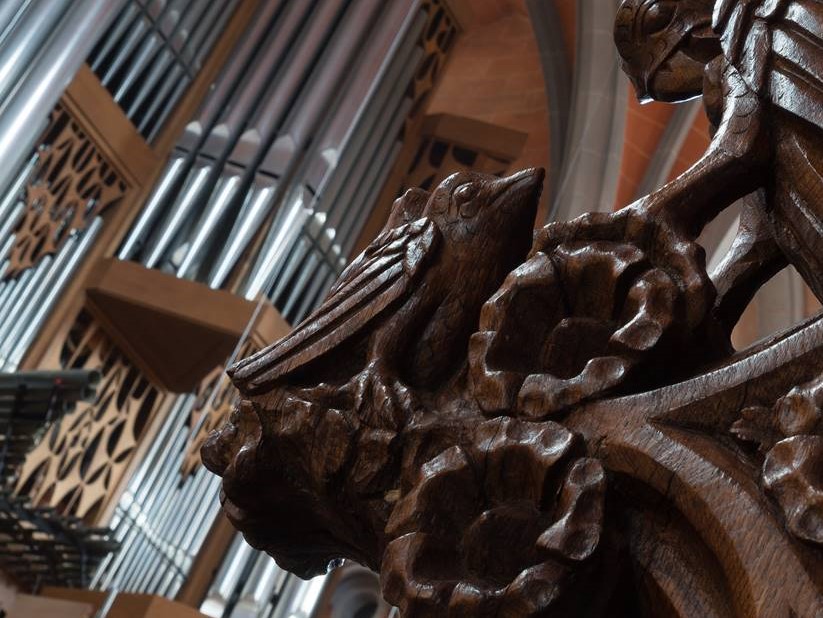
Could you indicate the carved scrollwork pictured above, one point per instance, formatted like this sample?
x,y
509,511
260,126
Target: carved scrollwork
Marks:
x,y
71,185
80,459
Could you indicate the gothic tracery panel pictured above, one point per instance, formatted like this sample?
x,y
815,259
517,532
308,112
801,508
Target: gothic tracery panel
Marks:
x,y
216,397
71,185
81,458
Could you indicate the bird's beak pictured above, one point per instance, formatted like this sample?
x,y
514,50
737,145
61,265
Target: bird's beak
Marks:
x,y
526,183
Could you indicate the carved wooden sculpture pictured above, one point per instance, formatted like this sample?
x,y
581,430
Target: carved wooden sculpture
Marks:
x,y
565,430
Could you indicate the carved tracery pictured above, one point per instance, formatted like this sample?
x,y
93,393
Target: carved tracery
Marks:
x,y
72,183
82,457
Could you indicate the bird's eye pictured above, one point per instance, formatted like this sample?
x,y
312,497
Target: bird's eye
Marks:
x,y
464,192
464,197
658,17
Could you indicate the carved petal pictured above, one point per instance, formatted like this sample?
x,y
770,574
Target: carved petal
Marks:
x,y
446,481
543,394
649,308
793,472
576,534
535,591
411,578
799,412
519,457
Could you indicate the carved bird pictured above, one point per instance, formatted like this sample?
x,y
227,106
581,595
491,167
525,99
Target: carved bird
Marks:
x,y
665,46
759,66
411,300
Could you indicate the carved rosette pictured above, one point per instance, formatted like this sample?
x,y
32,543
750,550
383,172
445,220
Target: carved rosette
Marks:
x,y
600,301
789,436
506,525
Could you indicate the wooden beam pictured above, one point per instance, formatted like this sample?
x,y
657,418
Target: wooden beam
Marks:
x,y
176,331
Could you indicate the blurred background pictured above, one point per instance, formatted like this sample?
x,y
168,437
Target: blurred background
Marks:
x,y
182,180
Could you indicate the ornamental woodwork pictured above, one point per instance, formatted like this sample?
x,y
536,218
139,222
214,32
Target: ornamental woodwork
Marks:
x,y
453,143
437,38
215,398
509,424
80,460
71,185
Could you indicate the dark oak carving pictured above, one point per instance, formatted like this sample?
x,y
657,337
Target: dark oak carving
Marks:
x,y
558,426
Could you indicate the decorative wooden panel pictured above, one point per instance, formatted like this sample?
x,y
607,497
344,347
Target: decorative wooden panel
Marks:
x,y
71,185
216,396
80,460
450,144
445,144
437,158
438,36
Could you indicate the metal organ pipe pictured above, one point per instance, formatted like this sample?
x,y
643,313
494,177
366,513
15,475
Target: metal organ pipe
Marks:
x,y
232,75
11,11
33,99
65,264
307,109
227,577
153,51
118,29
26,40
133,243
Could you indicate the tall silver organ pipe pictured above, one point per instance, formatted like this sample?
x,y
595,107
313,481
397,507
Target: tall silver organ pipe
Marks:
x,y
29,297
311,101
277,171
42,45
153,50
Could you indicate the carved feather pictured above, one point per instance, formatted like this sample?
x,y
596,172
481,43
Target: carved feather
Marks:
x,y
776,46
381,275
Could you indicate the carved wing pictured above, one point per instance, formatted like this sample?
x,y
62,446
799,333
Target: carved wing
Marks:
x,y
776,46
382,274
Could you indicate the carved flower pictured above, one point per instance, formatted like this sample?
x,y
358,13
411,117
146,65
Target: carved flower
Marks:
x,y
793,474
597,296
790,436
501,526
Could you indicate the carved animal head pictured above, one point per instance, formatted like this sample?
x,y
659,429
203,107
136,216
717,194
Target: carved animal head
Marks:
x,y
665,46
470,207
277,480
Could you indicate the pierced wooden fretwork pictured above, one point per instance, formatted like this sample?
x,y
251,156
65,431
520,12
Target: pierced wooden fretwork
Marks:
x,y
438,35
442,154
72,184
82,457
216,396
